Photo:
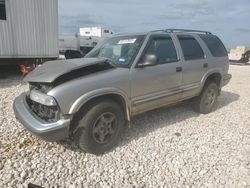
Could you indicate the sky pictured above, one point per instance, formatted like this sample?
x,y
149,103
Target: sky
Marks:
x,y
228,19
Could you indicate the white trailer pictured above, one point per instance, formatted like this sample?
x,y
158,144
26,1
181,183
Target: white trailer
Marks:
x,y
95,32
76,46
28,30
79,44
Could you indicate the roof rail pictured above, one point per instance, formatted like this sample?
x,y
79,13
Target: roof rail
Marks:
x,y
114,34
186,30
158,30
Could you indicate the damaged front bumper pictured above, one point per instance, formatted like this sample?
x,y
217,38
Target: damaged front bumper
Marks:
x,y
48,131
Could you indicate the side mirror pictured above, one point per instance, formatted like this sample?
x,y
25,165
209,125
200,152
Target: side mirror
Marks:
x,y
150,60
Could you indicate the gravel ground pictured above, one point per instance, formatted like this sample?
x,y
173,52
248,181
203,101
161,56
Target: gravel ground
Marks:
x,y
168,147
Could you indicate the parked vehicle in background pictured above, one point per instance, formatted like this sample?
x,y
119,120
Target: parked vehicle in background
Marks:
x,y
28,31
94,98
78,45
240,55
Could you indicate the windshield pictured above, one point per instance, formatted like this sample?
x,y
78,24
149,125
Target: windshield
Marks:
x,y
120,50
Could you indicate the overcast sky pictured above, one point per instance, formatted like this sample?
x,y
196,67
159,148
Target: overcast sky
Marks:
x,y
229,19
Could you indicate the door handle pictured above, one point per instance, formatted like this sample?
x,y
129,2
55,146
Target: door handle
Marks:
x,y
205,65
178,69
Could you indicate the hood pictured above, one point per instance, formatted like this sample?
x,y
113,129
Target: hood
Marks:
x,y
51,70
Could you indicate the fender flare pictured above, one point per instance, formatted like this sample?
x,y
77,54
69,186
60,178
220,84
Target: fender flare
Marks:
x,y
83,99
209,73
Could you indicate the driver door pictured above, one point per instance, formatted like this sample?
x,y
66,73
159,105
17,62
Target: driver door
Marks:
x,y
157,85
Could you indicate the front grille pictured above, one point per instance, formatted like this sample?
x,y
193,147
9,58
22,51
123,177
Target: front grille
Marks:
x,y
46,113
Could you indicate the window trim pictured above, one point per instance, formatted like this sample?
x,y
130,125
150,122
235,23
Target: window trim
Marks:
x,y
159,36
4,3
191,37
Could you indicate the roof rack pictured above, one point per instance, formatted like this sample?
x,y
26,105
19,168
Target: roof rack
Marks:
x,y
187,30
120,34
158,30
182,30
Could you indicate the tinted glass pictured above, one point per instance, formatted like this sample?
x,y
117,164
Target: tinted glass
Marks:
x,y
163,49
2,10
190,47
215,45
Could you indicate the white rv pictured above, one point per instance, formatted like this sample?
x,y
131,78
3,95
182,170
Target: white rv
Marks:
x,y
79,44
95,32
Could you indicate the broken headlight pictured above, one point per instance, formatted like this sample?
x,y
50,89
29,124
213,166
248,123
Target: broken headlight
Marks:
x,y
42,98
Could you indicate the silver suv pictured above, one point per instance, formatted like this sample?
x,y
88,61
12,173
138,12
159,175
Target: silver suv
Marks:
x,y
92,99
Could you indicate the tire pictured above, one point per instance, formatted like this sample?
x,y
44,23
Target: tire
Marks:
x,y
103,118
205,102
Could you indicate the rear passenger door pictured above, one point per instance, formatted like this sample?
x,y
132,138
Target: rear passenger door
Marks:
x,y
194,63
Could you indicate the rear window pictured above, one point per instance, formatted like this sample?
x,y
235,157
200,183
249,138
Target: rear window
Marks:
x,y
215,45
190,47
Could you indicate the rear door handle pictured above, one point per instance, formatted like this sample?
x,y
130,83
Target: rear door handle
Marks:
x,y
178,69
205,65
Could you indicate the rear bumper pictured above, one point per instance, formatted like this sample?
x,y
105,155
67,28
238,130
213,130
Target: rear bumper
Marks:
x,y
226,79
47,131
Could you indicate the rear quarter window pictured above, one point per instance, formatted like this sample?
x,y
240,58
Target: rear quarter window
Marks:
x,y
190,47
214,45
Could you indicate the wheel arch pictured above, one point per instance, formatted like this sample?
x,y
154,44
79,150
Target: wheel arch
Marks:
x,y
215,76
101,94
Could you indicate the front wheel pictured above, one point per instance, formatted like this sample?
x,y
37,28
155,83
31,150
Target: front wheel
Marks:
x,y
100,128
207,99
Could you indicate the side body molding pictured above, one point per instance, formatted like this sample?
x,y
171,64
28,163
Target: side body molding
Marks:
x,y
97,93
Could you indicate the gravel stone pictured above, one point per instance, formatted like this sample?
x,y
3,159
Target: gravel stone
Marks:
x,y
167,147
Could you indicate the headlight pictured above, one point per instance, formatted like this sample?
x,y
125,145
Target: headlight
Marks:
x,y
42,98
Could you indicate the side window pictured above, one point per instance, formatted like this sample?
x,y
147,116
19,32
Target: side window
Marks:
x,y
215,45
190,47
163,49
2,10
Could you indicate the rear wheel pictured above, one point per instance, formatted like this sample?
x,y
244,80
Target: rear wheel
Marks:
x,y
205,102
100,128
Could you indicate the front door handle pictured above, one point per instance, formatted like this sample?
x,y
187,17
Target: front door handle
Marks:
x,y
178,69
205,65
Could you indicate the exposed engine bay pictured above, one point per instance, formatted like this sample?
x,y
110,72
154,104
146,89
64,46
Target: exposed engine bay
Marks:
x,y
51,113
